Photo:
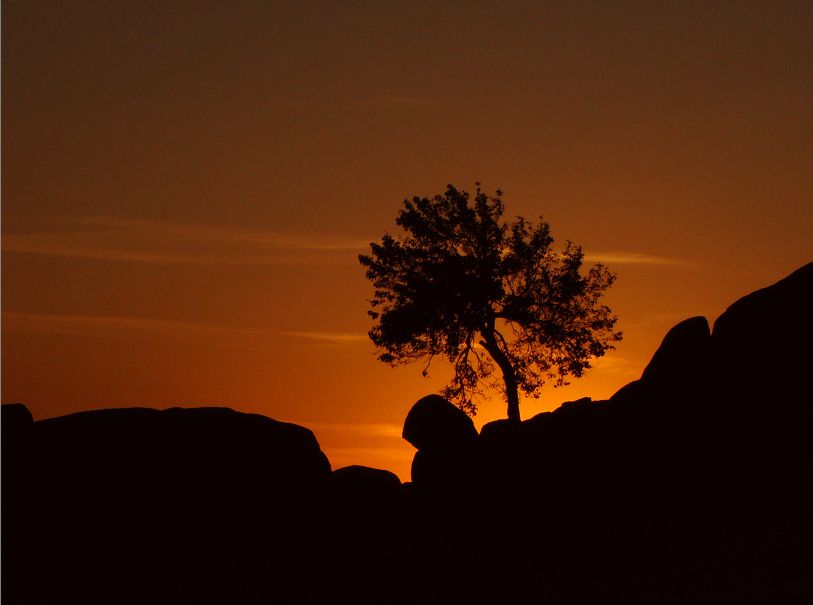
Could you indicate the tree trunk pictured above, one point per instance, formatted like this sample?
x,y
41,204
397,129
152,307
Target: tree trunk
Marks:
x,y
489,342
513,401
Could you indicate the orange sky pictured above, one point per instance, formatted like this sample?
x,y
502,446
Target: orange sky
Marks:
x,y
186,185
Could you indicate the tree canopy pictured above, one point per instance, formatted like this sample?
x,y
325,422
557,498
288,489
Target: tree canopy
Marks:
x,y
462,283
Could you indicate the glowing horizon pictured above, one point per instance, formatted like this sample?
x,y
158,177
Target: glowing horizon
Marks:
x,y
185,193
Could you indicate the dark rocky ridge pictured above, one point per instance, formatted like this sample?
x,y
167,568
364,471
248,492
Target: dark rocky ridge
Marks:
x,y
129,492
697,476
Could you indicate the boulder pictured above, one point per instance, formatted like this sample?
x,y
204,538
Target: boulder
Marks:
x,y
762,341
438,470
501,430
446,440
207,457
760,315
574,408
16,423
587,455
679,368
132,493
138,464
15,416
506,463
631,392
363,502
682,355
364,481
434,424
762,346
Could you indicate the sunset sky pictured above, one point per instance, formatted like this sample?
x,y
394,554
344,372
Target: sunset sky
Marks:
x,y
187,185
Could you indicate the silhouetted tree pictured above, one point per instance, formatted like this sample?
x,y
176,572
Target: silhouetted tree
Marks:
x,y
461,282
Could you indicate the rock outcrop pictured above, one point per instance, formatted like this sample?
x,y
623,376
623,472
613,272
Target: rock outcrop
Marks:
x,y
446,438
153,488
16,418
365,483
696,478
763,342
682,357
713,410
433,424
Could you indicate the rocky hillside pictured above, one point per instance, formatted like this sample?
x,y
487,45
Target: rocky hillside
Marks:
x,y
691,484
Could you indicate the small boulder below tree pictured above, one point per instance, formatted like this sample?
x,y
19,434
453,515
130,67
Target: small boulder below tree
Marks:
x,y
434,424
446,440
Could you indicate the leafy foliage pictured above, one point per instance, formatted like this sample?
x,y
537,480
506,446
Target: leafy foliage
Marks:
x,y
466,285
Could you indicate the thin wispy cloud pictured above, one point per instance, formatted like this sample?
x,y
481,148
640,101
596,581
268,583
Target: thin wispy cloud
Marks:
x,y
334,338
370,429
169,242
138,240
634,258
116,326
106,325
614,365
350,455
271,239
72,323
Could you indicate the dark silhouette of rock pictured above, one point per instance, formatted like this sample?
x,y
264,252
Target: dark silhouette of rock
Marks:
x,y
435,424
682,355
632,391
363,503
495,429
17,424
565,460
697,477
204,459
681,366
156,487
446,440
15,417
702,420
441,470
761,314
763,353
573,407
763,340
17,427
365,480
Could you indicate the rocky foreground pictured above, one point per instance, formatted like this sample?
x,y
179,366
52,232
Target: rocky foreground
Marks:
x,y
693,484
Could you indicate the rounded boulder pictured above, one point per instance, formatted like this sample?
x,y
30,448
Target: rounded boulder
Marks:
x,y
434,424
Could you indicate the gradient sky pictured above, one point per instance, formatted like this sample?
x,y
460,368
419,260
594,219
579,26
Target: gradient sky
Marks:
x,y
186,185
